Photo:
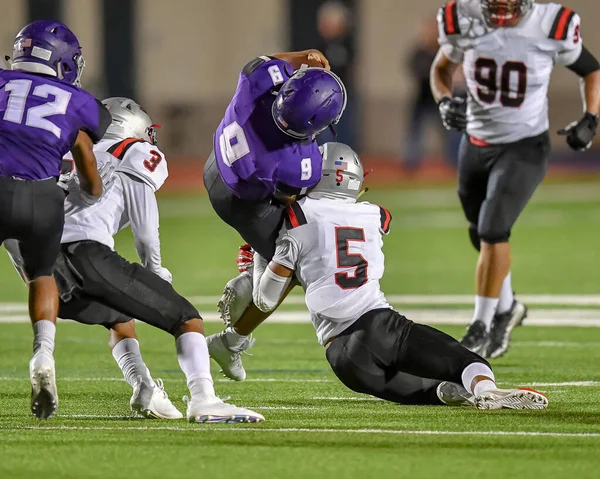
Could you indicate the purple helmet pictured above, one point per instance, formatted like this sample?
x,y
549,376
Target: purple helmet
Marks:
x,y
309,102
49,48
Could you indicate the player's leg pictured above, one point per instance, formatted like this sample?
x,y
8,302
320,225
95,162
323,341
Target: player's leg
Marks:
x,y
473,174
40,219
386,341
514,177
149,399
136,292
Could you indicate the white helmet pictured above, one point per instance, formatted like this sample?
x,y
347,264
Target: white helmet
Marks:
x,y
342,175
129,120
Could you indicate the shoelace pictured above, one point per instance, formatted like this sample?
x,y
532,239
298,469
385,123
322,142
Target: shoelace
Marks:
x,y
161,387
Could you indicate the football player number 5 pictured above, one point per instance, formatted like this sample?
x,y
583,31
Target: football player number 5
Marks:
x,y
18,91
344,236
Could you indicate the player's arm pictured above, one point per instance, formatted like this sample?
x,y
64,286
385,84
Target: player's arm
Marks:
x,y
87,168
271,281
312,58
572,53
445,64
142,211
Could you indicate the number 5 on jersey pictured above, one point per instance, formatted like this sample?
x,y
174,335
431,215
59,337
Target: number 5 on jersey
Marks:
x,y
344,235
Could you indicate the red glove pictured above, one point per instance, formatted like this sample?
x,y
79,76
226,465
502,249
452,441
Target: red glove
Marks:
x,y
245,258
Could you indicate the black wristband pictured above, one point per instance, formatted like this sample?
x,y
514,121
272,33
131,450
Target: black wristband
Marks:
x,y
585,64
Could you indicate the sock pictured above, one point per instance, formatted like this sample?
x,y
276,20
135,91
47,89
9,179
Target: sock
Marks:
x,y
233,337
127,355
478,369
192,354
485,309
44,332
506,296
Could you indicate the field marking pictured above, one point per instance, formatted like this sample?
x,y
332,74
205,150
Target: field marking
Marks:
x,y
399,432
340,398
567,383
221,380
539,317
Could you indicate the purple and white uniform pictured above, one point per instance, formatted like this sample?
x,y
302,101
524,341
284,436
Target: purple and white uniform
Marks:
x,y
40,118
254,157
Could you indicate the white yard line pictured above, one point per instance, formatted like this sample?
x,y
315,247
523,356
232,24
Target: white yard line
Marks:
x,y
395,432
221,380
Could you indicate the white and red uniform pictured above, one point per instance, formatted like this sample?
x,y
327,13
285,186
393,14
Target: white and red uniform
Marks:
x,y
508,69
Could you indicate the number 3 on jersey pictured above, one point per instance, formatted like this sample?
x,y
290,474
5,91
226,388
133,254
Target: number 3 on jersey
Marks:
x,y
344,235
512,74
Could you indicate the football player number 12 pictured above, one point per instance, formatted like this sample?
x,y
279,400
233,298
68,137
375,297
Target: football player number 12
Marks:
x,y
234,145
486,75
36,115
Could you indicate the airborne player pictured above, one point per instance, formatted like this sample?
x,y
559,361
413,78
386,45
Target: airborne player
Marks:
x,y
508,49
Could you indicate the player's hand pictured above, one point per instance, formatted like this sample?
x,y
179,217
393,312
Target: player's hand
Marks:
x,y
108,177
316,59
452,111
6,63
164,274
581,133
245,258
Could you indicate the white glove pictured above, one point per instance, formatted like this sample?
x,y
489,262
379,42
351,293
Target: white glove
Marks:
x,y
164,274
108,177
5,63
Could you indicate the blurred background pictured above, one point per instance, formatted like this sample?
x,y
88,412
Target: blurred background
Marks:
x,y
181,60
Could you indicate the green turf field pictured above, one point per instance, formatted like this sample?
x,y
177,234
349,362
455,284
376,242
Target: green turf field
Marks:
x,y
315,427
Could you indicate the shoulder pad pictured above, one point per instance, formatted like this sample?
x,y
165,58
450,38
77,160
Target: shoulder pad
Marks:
x,y
560,26
142,160
294,216
254,64
449,18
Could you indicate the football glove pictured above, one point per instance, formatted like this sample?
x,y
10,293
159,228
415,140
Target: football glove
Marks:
x,y
581,133
108,177
245,258
164,274
453,113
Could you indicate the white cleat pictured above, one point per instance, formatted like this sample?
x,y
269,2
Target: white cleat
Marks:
x,y
152,402
214,410
511,399
44,398
227,355
236,298
452,394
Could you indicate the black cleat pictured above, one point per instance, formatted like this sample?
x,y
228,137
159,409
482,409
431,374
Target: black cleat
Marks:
x,y
476,338
502,327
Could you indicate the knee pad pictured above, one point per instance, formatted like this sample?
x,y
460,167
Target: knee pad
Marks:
x,y
474,237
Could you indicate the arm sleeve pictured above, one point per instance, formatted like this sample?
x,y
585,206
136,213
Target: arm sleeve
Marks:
x,y
142,210
95,119
269,287
265,73
569,43
449,31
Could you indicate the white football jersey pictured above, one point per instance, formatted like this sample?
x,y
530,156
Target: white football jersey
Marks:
x,y
508,69
140,169
336,250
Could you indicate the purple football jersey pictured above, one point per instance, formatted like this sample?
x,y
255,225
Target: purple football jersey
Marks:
x,y
40,118
255,158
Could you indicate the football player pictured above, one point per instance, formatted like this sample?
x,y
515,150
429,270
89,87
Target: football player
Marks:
x,y
334,246
508,49
43,115
265,154
98,286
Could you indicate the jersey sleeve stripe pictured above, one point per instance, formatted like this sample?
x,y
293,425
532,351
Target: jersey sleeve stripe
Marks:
x,y
118,150
386,219
451,18
295,216
560,28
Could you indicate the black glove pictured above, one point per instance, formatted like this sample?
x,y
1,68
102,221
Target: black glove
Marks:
x,y
453,113
581,133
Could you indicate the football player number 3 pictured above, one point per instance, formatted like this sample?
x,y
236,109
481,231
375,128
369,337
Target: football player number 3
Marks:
x,y
18,91
344,236
512,83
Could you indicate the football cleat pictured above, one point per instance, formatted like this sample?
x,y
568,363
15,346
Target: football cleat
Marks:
x,y
229,355
44,397
452,394
152,402
236,298
502,326
213,410
476,338
511,399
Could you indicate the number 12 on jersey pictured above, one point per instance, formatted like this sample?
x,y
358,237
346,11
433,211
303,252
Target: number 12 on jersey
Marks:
x,y
344,235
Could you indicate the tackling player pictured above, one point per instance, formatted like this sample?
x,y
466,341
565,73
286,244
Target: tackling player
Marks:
x,y
334,246
43,115
100,287
508,49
